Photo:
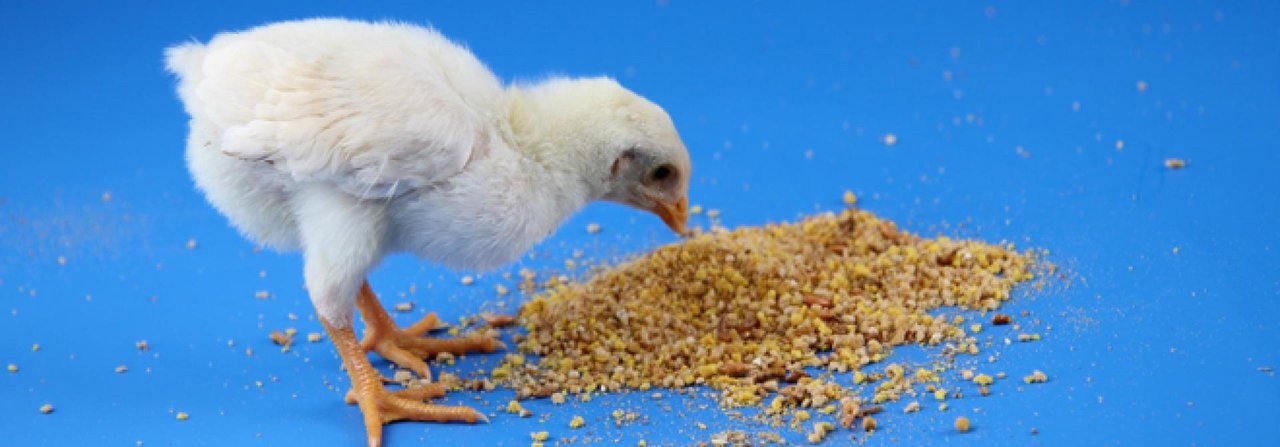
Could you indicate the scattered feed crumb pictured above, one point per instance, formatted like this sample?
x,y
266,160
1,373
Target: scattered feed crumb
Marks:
x,y
850,199
262,294
962,424
713,213
577,422
1001,320
912,407
404,306
191,244
468,280
46,408
540,436
593,228
403,376
314,337
1036,377
62,260
1142,86
122,369
1175,163
889,139
499,320
820,430
868,424
182,416
695,210
280,338
106,196
12,368
141,345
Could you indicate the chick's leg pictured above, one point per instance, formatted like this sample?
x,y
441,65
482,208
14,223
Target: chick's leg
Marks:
x,y
407,347
380,406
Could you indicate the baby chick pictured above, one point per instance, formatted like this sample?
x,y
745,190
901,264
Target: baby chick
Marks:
x,y
349,141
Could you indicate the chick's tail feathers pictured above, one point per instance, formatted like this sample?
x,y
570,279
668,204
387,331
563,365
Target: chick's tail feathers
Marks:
x,y
186,61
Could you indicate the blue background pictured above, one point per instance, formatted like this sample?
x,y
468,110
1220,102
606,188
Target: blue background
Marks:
x,y
1158,340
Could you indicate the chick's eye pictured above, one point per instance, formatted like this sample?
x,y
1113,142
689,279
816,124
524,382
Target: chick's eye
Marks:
x,y
662,172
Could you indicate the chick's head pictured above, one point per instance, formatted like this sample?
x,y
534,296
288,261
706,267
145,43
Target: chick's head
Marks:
x,y
626,147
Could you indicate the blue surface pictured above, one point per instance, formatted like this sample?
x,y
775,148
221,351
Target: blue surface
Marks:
x,y
1159,339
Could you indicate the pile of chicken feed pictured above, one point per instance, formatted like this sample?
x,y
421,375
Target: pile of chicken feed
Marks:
x,y
744,311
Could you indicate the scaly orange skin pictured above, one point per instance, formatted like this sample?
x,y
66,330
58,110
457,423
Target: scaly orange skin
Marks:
x,y
405,348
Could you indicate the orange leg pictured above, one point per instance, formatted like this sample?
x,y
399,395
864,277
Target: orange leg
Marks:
x,y
380,406
407,347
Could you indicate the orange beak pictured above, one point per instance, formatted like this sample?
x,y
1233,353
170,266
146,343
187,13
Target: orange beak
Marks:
x,y
674,215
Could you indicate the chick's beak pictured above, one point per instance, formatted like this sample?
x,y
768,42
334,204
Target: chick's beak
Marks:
x,y
673,214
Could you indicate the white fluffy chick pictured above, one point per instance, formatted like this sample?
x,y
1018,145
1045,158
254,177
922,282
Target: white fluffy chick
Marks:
x,y
350,140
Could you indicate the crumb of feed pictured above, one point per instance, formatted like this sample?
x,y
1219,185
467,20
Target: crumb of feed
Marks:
x,y
593,228
850,199
191,244
280,339
889,139
868,424
962,424
404,306
577,422
182,416
467,280
46,408
499,320
743,310
1175,163
1036,377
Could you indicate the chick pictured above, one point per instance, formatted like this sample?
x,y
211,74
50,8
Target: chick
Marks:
x,y
349,141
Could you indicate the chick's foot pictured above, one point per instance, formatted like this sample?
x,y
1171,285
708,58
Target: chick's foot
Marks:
x,y
380,406
407,348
